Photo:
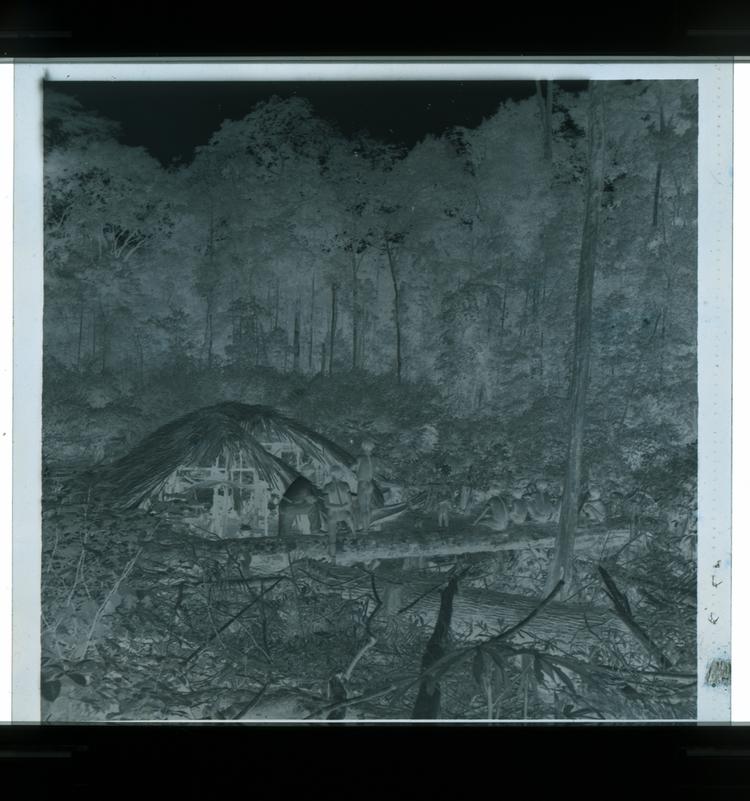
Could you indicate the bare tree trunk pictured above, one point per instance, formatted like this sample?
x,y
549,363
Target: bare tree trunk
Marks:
x,y
262,345
296,346
80,335
276,310
562,562
363,339
334,288
545,114
323,358
355,312
139,352
210,293
396,307
657,183
541,353
241,323
104,337
312,323
105,346
548,121
210,339
208,335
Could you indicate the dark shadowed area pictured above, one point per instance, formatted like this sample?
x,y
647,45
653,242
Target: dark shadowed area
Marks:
x,y
170,119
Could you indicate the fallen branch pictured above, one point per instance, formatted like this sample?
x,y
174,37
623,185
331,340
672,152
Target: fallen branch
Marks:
x,y
622,610
229,622
100,611
427,705
504,635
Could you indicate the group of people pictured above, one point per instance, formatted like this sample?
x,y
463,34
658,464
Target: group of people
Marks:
x,y
300,510
535,502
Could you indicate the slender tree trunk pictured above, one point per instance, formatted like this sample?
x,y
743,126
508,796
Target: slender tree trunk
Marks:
x,y
396,307
296,346
657,182
562,562
312,324
276,310
523,320
545,114
657,189
208,335
323,358
262,344
80,335
139,352
105,343
334,288
210,293
355,312
548,120
362,339
541,353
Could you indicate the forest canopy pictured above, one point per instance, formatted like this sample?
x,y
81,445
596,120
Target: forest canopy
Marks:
x,y
287,246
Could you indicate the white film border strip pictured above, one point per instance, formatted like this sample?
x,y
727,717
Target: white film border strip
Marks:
x,y
714,392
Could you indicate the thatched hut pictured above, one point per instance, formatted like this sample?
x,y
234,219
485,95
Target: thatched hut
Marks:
x,y
223,468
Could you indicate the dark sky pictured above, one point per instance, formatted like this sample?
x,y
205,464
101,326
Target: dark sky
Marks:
x,y
170,118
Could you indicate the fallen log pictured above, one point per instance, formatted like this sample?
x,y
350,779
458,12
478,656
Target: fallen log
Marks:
x,y
271,554
477,613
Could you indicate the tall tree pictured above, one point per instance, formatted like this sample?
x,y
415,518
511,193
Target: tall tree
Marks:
x,y
207,283
390,241
296,341
332,336
660,146
562,562
545,114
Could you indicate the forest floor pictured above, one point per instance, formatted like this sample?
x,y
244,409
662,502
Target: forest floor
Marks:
x,y
143,621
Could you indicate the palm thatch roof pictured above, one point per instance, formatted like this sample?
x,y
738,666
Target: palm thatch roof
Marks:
x,y
197,439
268,425
228,430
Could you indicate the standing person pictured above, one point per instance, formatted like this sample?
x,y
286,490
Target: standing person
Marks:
x,y
339,506
467,490
443,509
365,487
